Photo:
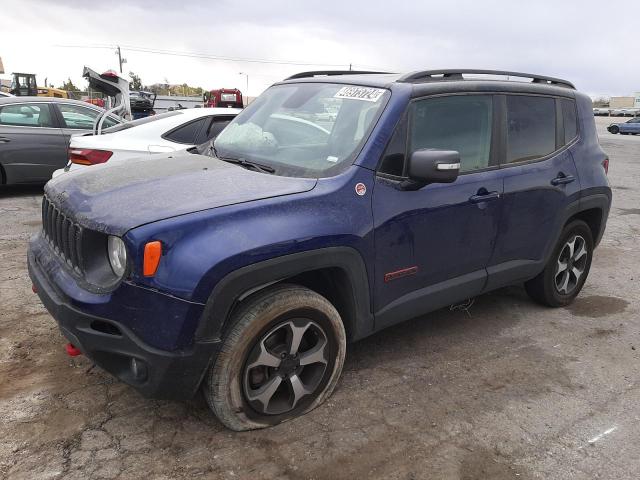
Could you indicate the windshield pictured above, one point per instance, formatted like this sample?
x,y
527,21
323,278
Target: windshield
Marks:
x,y
303,129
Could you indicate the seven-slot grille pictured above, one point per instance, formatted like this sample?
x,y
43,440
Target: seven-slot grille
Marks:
x,y
64,235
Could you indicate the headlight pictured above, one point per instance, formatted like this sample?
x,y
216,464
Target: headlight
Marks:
x,y
117,255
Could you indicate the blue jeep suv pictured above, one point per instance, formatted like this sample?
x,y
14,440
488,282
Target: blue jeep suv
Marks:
x,y
335,205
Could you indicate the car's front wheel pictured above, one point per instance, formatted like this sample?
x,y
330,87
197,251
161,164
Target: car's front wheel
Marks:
x,y
567,269
614,129
281,357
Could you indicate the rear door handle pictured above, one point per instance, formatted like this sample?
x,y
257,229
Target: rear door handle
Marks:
x,y
4,140
562,179
484,197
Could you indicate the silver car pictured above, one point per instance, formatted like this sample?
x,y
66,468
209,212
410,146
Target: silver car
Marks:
x,y
35,132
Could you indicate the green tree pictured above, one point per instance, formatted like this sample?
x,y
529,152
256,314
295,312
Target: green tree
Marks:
x,y
69,86
136,83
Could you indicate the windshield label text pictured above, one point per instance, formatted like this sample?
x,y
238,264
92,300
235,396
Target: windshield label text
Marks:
x,y
360,93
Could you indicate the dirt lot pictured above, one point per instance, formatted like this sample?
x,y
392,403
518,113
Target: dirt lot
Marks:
x,y
507,390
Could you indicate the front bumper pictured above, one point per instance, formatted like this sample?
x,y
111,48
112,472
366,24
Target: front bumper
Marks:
x,y
112,346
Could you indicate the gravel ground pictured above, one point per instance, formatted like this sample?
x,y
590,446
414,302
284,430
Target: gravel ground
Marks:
x,y
508,389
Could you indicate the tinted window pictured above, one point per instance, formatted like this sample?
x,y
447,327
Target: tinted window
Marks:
x,y
214,127
393,160
531,127
26,115
79,117
461,123
570,119
186,133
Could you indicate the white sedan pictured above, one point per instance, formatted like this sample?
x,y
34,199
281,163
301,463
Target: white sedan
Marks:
x,y
163,133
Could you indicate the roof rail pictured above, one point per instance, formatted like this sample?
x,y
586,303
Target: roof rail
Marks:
x,y
458,74
321,73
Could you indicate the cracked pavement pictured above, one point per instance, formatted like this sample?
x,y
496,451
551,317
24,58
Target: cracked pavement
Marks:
x,y
507,389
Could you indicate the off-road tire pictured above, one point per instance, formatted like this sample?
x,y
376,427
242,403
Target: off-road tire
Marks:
x,y
224,387
543,288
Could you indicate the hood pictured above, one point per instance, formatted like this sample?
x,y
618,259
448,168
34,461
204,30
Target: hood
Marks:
x,y
115,198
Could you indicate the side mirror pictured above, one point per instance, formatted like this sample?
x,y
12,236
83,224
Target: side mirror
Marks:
x,y
434,166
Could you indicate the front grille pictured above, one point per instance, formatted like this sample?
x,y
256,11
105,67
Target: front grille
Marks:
x,y
64,235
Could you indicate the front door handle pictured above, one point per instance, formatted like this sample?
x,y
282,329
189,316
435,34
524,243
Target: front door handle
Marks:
x,y
484,196
4,140
562,179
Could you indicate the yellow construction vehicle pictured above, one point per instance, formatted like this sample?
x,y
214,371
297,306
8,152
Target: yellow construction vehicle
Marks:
x,y
24,84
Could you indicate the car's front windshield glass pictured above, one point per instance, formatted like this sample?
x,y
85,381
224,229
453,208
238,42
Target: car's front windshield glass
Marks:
x,y
303,129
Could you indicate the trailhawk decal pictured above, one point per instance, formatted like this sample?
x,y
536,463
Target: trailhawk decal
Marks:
x,y
400,273
360,93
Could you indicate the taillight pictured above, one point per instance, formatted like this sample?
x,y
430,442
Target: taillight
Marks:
x,y
86,156
605,165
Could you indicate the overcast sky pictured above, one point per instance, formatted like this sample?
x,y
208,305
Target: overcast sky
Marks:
x,y
592,43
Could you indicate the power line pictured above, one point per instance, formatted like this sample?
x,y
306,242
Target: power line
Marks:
x,y
208,56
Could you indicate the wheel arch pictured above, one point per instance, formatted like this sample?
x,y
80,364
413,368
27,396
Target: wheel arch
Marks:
x,y
593,210
337,273
592,217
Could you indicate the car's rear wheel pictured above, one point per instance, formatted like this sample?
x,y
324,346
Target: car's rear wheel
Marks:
x,y
281,357
614,129
567,269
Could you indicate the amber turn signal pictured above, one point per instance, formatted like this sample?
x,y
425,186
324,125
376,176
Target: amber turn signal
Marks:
x,y
152,253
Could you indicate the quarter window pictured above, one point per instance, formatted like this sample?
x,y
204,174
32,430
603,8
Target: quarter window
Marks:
x,y
186,133
570,119
531,127
26,115
462,123
393,160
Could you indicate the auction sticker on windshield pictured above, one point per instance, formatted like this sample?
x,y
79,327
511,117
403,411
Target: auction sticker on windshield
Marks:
x,y
360,93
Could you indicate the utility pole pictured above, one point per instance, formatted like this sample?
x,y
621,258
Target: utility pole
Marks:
x,y
246,92
349,64
120,59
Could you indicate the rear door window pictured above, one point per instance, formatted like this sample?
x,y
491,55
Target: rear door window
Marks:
x,y
531,127
82,118
186,134
27,115
569,118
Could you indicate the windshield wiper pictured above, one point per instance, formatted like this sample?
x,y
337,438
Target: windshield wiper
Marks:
x,y
248,165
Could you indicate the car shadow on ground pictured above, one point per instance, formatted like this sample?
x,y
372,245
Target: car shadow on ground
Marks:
x,y
428,340
12,191
471,321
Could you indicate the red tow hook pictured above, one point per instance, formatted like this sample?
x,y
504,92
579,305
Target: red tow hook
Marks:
x,y
71,350
34,289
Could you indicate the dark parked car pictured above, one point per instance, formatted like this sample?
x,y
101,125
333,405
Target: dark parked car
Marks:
x,y
35,132
631,126
246,273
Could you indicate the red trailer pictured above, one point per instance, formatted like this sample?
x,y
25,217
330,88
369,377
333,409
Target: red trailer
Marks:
x,y
223,98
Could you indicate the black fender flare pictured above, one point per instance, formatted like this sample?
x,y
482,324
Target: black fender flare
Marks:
x,y
601,201
241,283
